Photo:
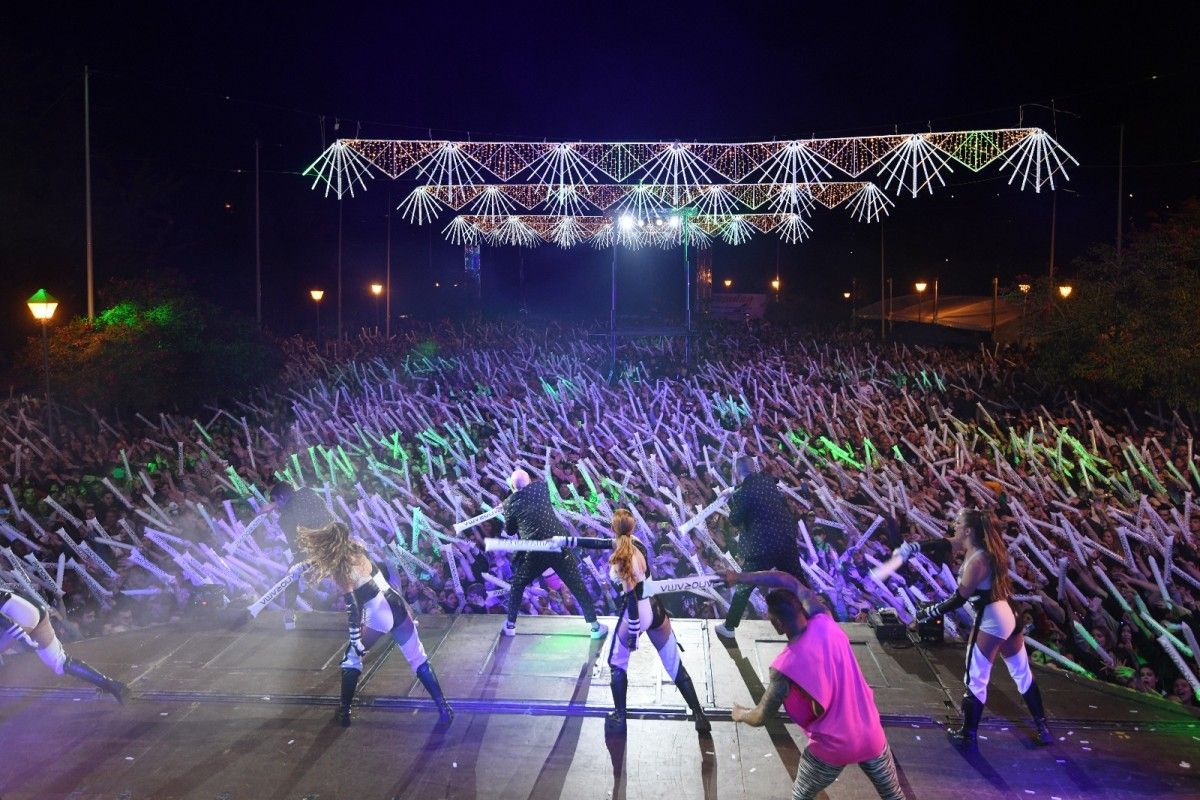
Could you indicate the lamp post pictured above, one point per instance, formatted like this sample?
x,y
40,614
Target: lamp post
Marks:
x,y
775,286
728,283
1064,291
316,295
1024,287
921,286
43,305
377,291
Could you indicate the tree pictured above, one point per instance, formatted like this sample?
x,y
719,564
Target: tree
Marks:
x,y
1131,325
155,345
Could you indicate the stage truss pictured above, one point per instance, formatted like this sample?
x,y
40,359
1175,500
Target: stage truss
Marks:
x,y
663,193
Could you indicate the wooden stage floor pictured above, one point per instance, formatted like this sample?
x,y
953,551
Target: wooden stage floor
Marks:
x,y
227,715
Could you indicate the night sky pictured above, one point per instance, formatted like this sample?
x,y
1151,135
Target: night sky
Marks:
x,y
182,90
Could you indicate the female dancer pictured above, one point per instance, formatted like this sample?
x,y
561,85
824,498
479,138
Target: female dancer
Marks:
x,y
983,582
628,565
21,620
374,609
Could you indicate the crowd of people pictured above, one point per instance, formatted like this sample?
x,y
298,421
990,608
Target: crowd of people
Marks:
x,y
123,522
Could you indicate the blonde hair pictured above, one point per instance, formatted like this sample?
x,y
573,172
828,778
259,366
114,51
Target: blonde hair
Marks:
x,y
625,552
331,551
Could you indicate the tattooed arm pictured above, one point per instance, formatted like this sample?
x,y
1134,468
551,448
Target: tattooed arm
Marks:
x,y
772,699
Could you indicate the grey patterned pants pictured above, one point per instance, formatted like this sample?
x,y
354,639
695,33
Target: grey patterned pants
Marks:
x,y
814,775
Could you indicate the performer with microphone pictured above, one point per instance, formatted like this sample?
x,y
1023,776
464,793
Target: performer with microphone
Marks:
x,y
983,582
529,514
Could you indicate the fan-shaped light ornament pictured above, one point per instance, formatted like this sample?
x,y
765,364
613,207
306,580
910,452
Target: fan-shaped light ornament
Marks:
x,y
492,202
736,230
793,228
605,236
339,168
461,232
914,165
420,206
792,198
1036,159
795,162
567,232
515,232
869,203
714,200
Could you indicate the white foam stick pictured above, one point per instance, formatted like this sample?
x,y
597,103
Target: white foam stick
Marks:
x,y
93,585
287,580
812,551
1153,623
1108,584
249,529
1180,664
492,579
62,512
21,577
15,535
98,561
1162,587
138,558
43,576
706,512
34,523
886,569
498,511
1191,640
690,583
12,501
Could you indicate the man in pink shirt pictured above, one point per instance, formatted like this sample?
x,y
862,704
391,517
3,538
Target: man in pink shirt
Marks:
x,y
819,684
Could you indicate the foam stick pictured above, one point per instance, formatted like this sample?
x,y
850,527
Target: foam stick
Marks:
x,y
699,584
1066,662
707,511
138,558
62,512
287,580
1180,664
15,535
117,494
249,529
886,569
1087,637
1108,584
1191,640
42,574
98,561
1156,625
1162,587
93,585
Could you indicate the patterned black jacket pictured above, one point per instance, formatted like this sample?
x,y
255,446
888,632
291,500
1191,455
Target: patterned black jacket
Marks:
x,y
529,514
767,522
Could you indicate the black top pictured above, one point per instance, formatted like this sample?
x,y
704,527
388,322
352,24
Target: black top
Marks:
x,y
529,514
304,509
767,522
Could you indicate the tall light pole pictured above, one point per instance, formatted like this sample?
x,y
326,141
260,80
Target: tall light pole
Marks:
x,y
920,286
42,305
87,193
316,295
377,291
1024,287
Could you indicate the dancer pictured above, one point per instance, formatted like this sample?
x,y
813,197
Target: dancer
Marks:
x,y
529,515
629,565
298,508
21,620
984,583
374,609
820,685
768,540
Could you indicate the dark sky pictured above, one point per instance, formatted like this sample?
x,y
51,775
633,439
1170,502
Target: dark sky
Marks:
x,y
181,91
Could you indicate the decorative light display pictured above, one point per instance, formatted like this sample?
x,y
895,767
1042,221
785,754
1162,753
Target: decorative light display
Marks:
x,y
584,191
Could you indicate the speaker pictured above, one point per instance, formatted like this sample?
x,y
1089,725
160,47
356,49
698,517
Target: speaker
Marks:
x,y
932,632
887,624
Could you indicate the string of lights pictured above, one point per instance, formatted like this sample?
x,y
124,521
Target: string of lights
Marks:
x,y
575,190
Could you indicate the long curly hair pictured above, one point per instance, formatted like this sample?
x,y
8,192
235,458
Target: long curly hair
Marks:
x,y
331,551
986,535
624,554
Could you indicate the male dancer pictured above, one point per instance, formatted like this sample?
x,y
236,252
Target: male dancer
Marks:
x,y
298,508
21,620
821,687
768,540
529,514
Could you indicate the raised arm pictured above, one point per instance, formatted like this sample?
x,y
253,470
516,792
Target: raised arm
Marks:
x,y
776,579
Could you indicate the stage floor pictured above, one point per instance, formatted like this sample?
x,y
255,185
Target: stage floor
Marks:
x,y
249,714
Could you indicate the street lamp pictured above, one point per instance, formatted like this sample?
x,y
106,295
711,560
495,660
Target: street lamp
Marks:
x,y
728,282
377,290
43,305
921,286
775,285
1065,291
317,295
1024,289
